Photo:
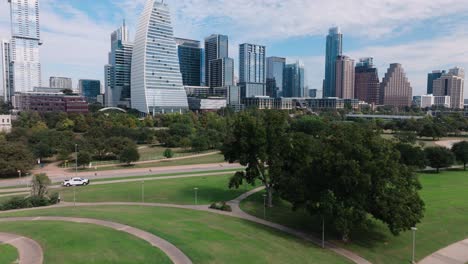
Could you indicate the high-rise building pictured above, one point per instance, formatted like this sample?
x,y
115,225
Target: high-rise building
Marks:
x,y
293,80
90,89
395,89
222,72
344,80
5,71
451,84
118,70
334,49
216,47
431,77
25,44
156,82
274,76
313,93
60,82
252,70
190,60
367,82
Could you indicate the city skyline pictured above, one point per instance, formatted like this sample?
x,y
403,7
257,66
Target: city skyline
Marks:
x,y
425,41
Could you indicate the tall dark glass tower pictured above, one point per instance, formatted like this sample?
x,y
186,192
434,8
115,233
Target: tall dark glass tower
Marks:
x,y
334,49
190,60
293,80
274,81
431,77
216,47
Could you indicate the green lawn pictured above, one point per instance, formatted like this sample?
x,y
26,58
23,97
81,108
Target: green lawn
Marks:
x,y
8,254
72,243
204,237
174,191
445,222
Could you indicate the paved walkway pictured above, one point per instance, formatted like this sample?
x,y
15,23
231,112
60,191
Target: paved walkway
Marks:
x,y
29,251
176,256
456,253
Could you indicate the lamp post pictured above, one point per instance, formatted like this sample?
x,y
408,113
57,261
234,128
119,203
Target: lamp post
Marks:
x,y
414,229
323,232
76,174
143,191
264,206
196,196
19,176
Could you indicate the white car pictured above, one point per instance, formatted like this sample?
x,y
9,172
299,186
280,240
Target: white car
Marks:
x,y
75,182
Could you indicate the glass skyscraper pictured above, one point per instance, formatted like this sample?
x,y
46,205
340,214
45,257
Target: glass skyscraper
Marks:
x,y
216,47
334,49
274,76
252,69
293,80
156,82
25,44
90,89
190,60
431,77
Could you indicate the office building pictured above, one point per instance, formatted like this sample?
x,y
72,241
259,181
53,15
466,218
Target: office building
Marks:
x,y
118,70
5,123
211,104
274,76
252,71
344,79
395,89
156,81
49,102
429,100
90,89
191,61
221,72
265,102
25,44
293,80
333,50
451,84
431,77
331,103
60,82
367,82
313,93
6,84
197,91
216,47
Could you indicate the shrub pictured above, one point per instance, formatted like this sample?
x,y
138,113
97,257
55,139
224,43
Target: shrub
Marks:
x,y
222,206
29,202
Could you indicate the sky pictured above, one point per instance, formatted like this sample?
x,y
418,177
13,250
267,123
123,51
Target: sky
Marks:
x,y
422,35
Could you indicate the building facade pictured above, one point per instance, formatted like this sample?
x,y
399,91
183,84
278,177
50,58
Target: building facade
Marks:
x,y
25,42
274,76
156,81
118,70
5,123
344,79
451,84
395,89
49,102
293,80
6,84
216,47
60,82
191,61
265,102
431,77
206,104
367,82
334,48
221,72
252,71
90,89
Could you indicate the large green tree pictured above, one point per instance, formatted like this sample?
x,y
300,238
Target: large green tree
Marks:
x,y
14,157
439,157
129,155
460,150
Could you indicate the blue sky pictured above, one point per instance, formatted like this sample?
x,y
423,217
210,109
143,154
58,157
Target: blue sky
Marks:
x,y
423,35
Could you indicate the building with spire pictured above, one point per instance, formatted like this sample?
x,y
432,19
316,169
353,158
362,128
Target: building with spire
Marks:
x,y
156,81
333,50
395,89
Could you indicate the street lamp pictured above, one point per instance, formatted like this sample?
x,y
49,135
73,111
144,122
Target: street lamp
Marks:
x,y
143,191
19,176
414,229
323,232
76,173
196,196
264,206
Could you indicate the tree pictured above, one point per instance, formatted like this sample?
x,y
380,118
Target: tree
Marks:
x,y
40,184
168,153
129,155
84,158
460,150
14,157
411,156
255,140
439,157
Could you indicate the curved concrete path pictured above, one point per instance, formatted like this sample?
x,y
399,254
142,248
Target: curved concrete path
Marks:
x,y
456,253
176,256
29,251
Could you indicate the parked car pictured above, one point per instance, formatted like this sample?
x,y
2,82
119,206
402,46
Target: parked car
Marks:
x,y
75,182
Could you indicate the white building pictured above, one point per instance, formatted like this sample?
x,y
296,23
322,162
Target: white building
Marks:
x,y
25,44
60,82
429,100
5,123
156,81
451,84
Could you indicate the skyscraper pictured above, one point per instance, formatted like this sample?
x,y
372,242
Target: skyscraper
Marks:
x,y
252,69
25,44
344,80
431,77
367,83
190,60
90,89
293,80
216,47
156,82
60,82
5,71
274,76
118,71
334,49
395,89
451,84
222,72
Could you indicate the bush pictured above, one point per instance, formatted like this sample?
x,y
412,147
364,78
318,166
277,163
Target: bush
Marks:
x,y
29,202
222,206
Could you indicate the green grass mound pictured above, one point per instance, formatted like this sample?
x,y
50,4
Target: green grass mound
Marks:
x,y
203,237
72,243
8,254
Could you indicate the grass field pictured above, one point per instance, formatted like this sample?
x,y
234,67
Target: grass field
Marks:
x,y
174,191
445,221
8,254
204,237
74,243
